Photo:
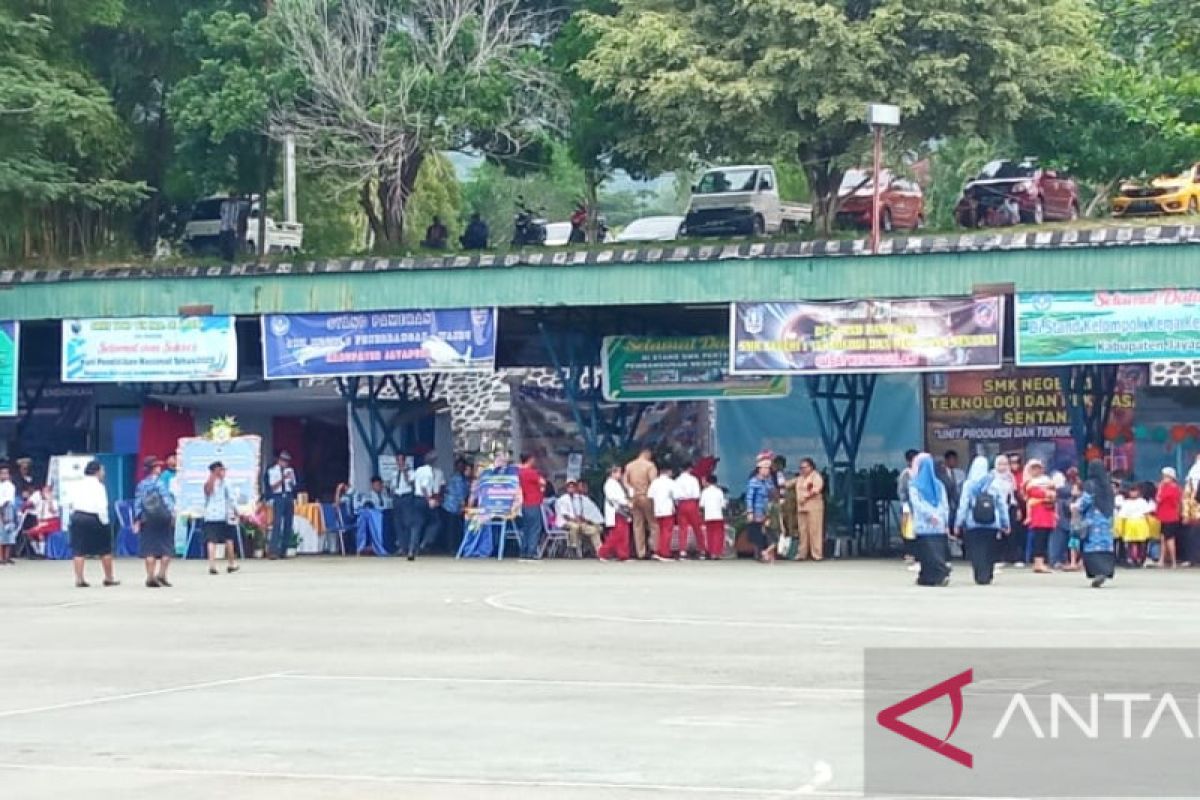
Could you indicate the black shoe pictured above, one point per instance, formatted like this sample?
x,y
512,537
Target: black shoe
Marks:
x,y
152,583
1098,582
213,571
112,583
82,585
412,556
232,569
162,581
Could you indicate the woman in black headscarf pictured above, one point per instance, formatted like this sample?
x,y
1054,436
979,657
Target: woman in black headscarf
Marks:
x,y
1096,507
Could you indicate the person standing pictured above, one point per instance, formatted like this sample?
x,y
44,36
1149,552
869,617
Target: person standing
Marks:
x,y
91,536
982,519
903,480
428,485
571,516
616,517
10,501
23,480
281,480
687,498
1169,510
1064,487
713,504
758,498
1040,500
662,495
404,514
454,504
1097,506
533,494
154,512
220,518
639,474
930,506
810,503
169,471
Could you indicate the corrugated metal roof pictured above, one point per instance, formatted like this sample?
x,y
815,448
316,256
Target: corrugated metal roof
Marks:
x,y
604,282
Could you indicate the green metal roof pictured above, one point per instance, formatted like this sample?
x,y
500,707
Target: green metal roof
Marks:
x,y
701,276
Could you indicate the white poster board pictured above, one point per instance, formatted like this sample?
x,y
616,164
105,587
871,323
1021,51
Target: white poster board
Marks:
x,y
65,476
242,457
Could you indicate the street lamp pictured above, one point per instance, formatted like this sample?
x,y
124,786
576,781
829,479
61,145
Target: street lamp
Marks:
x,y
879,116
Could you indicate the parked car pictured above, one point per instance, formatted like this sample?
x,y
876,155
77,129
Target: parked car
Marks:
x,y
901,201
203,229
1008,192
652,229
743,200
1168,194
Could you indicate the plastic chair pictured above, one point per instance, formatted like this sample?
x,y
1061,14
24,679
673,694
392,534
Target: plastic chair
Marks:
x,y
555,539
127,540
336,525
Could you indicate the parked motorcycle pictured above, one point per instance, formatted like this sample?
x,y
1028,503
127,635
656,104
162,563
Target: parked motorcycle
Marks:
x,y
528,227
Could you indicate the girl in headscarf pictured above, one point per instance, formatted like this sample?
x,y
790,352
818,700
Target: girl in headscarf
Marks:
x,y
982,518
1040,497
931,522
1096,506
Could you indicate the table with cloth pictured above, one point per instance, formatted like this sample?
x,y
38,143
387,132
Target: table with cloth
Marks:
x,y
370,531
308,523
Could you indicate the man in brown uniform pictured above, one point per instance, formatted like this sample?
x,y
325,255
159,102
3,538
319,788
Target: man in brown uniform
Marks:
x,y
639,474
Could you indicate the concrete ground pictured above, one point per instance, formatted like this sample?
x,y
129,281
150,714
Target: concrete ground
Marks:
x,y
360,678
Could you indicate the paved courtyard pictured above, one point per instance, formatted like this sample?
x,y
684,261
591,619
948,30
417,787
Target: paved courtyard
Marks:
x,y
360,678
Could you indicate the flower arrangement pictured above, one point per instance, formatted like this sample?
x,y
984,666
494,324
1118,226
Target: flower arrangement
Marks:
x,y
223,429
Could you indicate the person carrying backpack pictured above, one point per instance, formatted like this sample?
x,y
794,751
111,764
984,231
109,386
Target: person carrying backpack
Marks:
x,y
982,519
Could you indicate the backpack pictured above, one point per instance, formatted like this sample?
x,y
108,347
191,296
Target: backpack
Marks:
x,y
154,508
983,512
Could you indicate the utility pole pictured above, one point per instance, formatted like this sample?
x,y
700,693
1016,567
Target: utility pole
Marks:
x,y
879,115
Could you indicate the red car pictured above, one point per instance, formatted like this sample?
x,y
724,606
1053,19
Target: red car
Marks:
x,y
1009,192
901,202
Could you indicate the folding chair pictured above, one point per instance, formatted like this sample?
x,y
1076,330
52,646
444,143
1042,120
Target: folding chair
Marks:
x,y
127,540
24,547
509,531
555,538
335,524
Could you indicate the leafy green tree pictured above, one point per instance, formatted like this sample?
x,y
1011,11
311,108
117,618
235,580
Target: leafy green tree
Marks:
x,y
435,194
61,144
495,193
387,83
753,78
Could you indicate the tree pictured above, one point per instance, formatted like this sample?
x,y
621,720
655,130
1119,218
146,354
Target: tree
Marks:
x,y
759,78
389,82
61,144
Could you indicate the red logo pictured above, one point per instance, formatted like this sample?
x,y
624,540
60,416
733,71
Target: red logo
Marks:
x,y
952,688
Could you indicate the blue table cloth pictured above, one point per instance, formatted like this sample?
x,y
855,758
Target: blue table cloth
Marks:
x,y
370,530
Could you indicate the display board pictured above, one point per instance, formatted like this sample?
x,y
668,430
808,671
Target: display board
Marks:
x,y
242,457
10,357
149,349
1064,328
497,496
856,336
654,368
378,343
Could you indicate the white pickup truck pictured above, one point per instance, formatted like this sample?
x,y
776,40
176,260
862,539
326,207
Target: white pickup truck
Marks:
x,y
203,229
743,200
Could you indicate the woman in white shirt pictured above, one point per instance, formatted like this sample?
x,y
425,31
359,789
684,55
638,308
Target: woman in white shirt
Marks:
x,y
616,517
90,531
220,518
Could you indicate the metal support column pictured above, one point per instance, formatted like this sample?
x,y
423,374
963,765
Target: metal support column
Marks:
x,y
841,403
1088,390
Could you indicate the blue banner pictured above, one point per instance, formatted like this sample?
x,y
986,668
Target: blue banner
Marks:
x,y
242,457
378,343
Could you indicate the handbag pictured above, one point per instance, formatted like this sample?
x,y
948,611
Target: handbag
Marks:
x,y
154,509
787,547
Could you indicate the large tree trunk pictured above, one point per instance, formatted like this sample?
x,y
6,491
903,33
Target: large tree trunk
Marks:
x,y
824,179
393,192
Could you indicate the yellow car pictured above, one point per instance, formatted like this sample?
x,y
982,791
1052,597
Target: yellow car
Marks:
x,y
1170,194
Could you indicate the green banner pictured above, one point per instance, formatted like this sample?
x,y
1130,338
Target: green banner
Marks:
x,y
650,369
10,348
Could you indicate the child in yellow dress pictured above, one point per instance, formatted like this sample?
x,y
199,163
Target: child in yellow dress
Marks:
x,y
1134,517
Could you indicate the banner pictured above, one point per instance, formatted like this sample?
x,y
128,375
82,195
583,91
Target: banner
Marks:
x,y
148,349
497,496
242,457
1107,327
1020,410
867,336
378,343
648,369
10,355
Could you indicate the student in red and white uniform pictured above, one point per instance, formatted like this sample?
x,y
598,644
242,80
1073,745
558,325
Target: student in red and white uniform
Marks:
x,y
712,504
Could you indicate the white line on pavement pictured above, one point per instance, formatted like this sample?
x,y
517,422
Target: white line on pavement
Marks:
x,y
116,698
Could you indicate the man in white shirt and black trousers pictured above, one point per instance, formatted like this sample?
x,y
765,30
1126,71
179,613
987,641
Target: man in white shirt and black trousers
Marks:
x,y
428,485
281,487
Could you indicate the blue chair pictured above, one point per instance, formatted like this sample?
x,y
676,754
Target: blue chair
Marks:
x,y
197,547
335,525
58,545
127,540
